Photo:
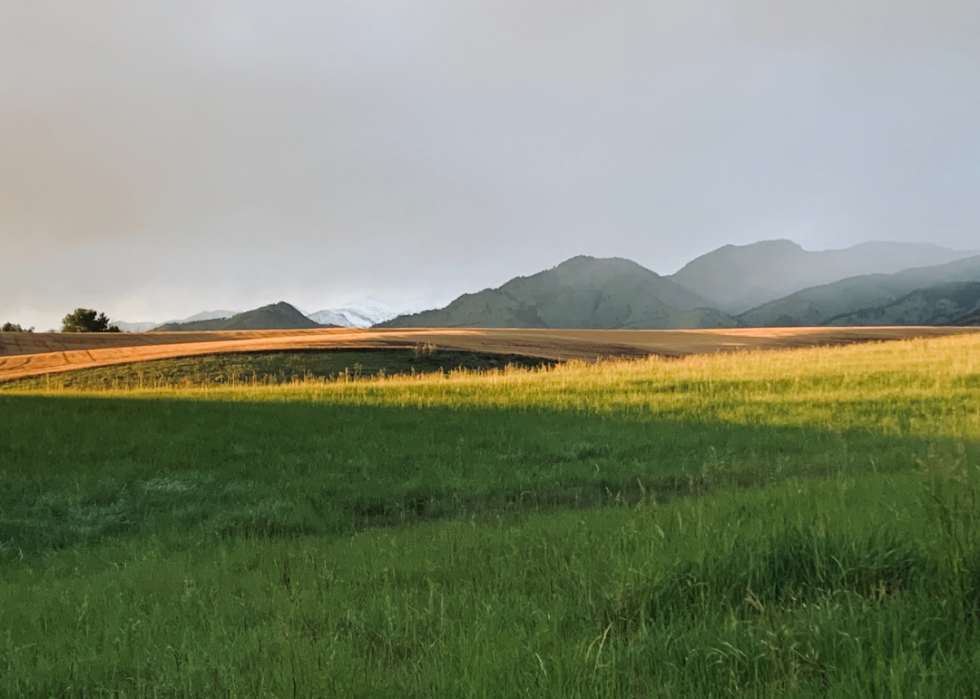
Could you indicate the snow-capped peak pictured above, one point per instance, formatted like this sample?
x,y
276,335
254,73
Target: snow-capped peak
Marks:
x,y
360,314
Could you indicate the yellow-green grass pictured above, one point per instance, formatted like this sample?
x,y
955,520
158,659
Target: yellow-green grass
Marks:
x,y
761,524
928,386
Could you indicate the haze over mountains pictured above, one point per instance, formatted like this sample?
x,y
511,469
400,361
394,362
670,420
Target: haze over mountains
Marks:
x,y
150,325
276,316
943,304
362,314
766,284
736,278
972,318
821,305
582,292
788,285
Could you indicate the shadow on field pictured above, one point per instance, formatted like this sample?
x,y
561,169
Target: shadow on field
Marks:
x,y
77,469
270,368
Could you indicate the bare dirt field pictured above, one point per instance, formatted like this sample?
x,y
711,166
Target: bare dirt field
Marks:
x,y
35,354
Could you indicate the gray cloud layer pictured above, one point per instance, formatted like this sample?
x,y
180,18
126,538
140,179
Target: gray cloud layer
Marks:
x,y
159,158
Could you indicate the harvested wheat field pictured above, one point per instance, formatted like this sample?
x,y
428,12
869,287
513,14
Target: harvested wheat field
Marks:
x,y
39,343
24,355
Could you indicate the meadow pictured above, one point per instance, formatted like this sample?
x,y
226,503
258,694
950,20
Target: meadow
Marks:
x,y
756,524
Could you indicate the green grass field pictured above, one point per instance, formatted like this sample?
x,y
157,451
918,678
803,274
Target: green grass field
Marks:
x,y
791,524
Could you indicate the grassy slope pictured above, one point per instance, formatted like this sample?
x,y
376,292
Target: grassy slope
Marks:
x,y
223,542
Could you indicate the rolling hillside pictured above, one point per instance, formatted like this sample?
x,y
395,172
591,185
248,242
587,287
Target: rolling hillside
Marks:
x,y
735,279
936,305
697,319
277,316
819,305
972,318
583,292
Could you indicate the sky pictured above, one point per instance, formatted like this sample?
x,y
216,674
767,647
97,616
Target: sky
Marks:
x,y
167,157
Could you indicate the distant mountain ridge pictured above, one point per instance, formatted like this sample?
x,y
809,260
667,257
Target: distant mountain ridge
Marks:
x,y
586,292
146,326
942,304
135,327
583,292
972,318
820,305
361,314
735,279
614,293
277,316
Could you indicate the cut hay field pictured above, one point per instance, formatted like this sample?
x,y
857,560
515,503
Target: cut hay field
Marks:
x,y
788,523
36,354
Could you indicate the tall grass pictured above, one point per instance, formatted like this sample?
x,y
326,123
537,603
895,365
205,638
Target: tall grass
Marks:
x,y
748,525
927,385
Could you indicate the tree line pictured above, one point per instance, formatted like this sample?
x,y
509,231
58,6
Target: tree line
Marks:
x,y
81,320
14,328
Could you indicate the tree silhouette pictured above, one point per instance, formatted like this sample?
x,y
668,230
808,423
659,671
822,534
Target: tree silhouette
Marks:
x,y
87,320
14,328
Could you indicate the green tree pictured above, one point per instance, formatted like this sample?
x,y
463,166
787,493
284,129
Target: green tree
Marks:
x,y
87,320
14,328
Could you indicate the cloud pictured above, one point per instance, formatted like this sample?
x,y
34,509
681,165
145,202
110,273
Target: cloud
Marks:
x,y
164,157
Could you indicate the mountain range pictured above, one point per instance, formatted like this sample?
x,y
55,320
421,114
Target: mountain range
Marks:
x,y
736,278
146,326
276,316
896,284
833,303
767,284
362,314
583,292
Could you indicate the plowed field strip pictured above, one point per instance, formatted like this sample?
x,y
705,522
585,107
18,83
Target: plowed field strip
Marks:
x,y
36,343
547,344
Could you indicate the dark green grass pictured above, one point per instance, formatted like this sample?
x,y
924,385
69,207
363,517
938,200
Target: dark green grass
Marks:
x,y
791,590
270,368
196,548
76,469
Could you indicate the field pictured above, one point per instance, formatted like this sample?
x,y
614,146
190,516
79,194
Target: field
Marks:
x,y
268,368
36,354
745,524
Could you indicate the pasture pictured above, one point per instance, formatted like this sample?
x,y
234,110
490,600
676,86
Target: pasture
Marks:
x,y
744,524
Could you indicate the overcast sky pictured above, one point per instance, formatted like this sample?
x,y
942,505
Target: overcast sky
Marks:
x,y
164,157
